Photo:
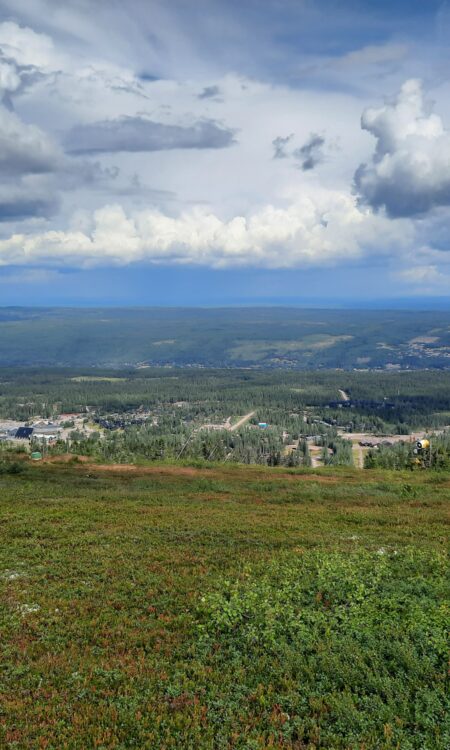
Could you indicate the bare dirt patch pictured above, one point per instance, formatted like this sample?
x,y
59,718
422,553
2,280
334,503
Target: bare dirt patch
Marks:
x,y
65,458
182,471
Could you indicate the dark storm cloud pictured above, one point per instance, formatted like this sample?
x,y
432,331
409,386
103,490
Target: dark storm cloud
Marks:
x,y
25,149
35,172
139,134
311,153
24,202
401,194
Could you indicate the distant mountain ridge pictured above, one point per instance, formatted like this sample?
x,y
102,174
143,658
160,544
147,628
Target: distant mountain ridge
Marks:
x,y
255,337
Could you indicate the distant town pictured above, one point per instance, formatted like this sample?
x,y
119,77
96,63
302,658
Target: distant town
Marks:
x,y
309,436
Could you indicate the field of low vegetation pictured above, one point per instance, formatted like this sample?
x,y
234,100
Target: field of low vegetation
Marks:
x,y
217,606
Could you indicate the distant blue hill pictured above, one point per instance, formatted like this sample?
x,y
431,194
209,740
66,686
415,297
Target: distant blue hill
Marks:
x,y
255,337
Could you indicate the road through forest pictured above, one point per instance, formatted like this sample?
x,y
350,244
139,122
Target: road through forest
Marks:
x,y
242,421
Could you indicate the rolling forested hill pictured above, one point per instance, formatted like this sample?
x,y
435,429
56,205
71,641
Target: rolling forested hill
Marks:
x,y
225,337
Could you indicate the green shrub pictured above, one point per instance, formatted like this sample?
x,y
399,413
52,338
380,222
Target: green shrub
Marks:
x,y
11,467
351,648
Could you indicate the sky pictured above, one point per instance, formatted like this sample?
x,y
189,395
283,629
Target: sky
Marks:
x,y
203,152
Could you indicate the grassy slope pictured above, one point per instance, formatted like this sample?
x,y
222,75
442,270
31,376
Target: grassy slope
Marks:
x,y
222,607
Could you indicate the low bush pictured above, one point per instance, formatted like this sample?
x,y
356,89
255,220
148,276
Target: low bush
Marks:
x,y
349,651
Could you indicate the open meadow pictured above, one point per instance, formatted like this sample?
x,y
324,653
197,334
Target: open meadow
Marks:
x,y
214,607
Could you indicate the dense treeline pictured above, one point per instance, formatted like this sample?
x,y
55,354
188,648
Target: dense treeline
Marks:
x,y
244,446
168,413
383,401
405,456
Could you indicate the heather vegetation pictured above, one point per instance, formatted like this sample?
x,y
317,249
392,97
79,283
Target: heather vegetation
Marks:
x,y
223,607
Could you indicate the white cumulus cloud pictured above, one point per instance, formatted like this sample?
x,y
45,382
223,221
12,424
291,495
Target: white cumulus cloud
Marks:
x,y
27,47
314,230
410,170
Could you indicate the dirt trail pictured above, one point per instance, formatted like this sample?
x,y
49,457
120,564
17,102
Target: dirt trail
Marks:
x,y
187,471
315,453
358,456
241,422
344,395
